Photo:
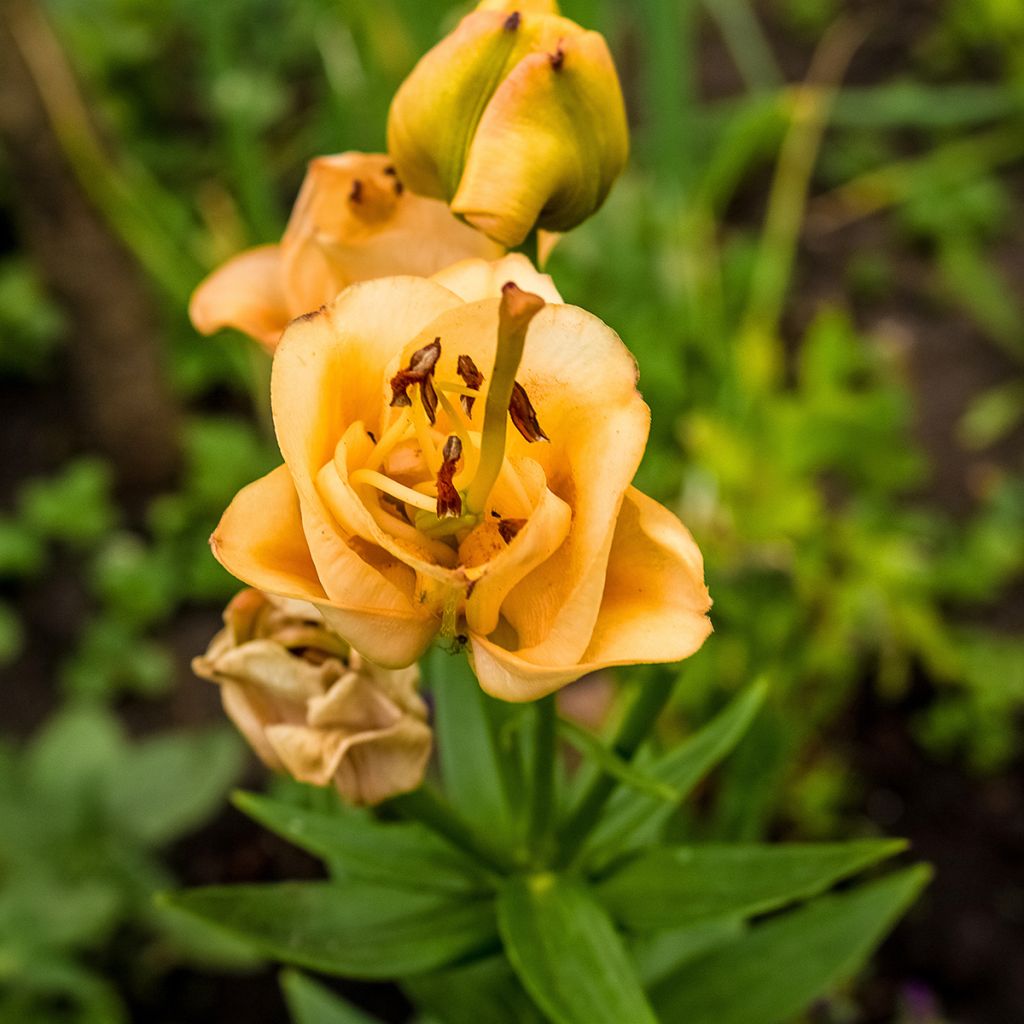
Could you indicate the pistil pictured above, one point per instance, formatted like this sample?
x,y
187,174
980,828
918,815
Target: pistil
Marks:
x,y
517,310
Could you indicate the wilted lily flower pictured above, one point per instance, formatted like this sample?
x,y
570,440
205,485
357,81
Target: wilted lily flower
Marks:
x,y
312,707
353,220
516,119
463,467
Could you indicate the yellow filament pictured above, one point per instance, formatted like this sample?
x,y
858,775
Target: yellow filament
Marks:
x,y
425,438
393,436
385,484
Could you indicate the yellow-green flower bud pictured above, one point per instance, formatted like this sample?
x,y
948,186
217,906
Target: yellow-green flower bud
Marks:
x,y
516,119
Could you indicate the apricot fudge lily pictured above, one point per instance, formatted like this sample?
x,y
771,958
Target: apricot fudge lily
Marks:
x,y
353,220
537,552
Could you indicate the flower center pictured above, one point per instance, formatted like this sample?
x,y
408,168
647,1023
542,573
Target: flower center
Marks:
x,y
447,484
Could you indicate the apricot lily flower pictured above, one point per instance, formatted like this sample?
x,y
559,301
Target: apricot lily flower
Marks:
x,y
353,221
527,544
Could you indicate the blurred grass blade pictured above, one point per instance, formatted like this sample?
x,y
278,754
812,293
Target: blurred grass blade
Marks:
x,y
673,886
774,971
360,930
567,953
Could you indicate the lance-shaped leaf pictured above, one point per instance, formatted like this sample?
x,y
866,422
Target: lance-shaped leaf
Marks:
x,y
456,995
635,819
404,855
777,968
467,726
567,953
309,1002
675,886
356,929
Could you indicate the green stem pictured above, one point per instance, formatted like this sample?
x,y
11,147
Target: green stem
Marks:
x,y
426,807
543,788
648,702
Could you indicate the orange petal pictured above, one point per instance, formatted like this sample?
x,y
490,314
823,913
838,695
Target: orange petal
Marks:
x,y
582,382
654,609
544,532
354,221
245,293
482,279
259,539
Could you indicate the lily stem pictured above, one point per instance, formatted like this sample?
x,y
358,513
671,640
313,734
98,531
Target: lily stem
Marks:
x,y
647,704
542,792
425,806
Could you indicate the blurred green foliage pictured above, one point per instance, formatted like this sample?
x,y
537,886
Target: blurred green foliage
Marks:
x,y
83,810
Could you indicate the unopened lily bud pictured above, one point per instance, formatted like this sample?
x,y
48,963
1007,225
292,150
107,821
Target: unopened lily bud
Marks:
x,y
516,119
312,707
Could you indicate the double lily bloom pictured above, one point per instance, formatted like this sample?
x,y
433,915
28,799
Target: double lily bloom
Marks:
x,y
353,220
458,454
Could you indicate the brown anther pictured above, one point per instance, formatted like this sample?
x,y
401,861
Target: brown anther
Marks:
x,y
372,436
391,171
472,378
356,193
557,58
449,501
524,416
512,21
419,371
509,528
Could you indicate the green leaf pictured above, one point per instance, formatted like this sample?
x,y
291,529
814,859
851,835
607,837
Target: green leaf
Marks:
x,y
456,995
467,728
770,974
169,785
403,855
356,929
312,1003
635,819
567,953
591,746
659,954
674,886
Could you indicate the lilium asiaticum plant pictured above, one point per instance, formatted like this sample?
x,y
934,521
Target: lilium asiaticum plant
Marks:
x,y
352,221
406,507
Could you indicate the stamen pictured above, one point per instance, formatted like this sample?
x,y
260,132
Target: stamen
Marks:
x,y
386,485
356,194
473,378
393,436
449,501
517,310
419,371
524,416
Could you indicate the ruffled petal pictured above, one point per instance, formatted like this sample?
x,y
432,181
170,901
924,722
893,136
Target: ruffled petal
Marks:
x,y
654,609
246,293
483,279
260,540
